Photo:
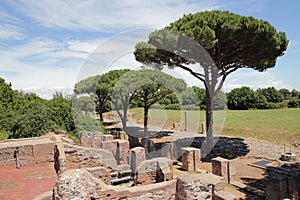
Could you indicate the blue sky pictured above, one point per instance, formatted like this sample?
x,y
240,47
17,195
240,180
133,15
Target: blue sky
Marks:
x,y
44,44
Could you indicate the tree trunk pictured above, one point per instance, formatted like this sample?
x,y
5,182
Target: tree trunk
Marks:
x,y
209,118
101,115
146,109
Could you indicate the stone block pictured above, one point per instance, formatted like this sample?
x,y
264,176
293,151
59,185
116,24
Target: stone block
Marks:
x,y
148,144
154,171
122,151
107,137
220,167
121,135
136,156
91,139
59,158
191,158
110,146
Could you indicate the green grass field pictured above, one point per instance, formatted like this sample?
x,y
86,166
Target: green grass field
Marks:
x,y
276,126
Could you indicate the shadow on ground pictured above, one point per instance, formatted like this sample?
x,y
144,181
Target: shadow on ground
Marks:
x,y
278,183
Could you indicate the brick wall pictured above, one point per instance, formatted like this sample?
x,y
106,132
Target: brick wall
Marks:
x,y
33,151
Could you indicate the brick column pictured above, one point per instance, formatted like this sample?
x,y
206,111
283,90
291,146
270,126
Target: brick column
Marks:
x,y
122,152
136,156
191,158
220,167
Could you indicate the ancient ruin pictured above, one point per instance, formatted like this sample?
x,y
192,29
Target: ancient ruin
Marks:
x,y
104,167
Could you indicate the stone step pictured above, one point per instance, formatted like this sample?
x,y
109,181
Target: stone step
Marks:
x,y
123,167
248,188
124,173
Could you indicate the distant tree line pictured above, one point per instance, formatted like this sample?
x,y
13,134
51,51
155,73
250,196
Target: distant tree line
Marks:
x,y
28,115
245,98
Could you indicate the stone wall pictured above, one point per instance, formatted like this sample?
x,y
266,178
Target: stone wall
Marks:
x,y
80,184
198,186
221,167
59,158
136,156
281,186
100,173
118,147
91,139
154,171
191,159
83,157
31,151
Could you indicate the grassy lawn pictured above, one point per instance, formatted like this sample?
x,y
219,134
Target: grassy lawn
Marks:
x,y
276,126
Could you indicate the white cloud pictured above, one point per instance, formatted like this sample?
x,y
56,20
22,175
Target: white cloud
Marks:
x,y
41,63
80,46
9,32
107,15
47,93
254,80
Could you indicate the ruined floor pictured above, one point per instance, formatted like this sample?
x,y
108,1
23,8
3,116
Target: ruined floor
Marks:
x,y
27,182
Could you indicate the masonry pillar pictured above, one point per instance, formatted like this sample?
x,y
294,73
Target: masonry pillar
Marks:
x,y
59,158
136,156
220,167
122,152
168,150
191,158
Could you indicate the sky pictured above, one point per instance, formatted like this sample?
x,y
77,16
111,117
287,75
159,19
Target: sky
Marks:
x,y
47,46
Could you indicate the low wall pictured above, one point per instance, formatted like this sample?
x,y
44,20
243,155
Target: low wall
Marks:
x,y
31,151
83,157
80,184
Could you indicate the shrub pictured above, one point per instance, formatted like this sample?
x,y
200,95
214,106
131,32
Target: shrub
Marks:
x,y
190,107
175,106
294,103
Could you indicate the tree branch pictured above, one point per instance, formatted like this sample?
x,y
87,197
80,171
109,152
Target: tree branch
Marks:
x,y
195,74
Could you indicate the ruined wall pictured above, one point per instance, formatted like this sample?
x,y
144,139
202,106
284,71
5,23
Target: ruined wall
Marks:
x,y
136,156
281,186
59,158
32,151
82,157
191,159
101,173
220,167
154,171
80,184
198,186
91,139
118,147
